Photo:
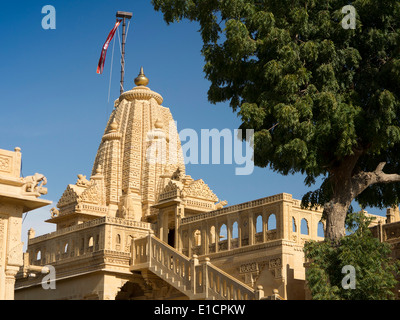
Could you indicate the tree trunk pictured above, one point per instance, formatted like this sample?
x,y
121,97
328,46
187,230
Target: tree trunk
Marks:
x,y
335,213
335,210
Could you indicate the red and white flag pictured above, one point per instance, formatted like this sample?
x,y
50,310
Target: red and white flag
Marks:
x,y
100,66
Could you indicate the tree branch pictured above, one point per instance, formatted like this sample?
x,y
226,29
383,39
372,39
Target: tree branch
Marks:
x,y
381,177
363,180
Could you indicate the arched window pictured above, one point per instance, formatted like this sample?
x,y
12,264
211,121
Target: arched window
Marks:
x,y
38,255
223,233
320,230
90,243
304,227
294,227
271,224
235,230
66,248
259,224
118,239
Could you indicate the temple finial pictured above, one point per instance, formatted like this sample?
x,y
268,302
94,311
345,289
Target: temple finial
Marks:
x,y
141,79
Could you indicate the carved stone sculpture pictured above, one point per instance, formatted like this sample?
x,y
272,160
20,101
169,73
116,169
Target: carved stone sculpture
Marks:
x,y
82,181
35,183
221,204
54,212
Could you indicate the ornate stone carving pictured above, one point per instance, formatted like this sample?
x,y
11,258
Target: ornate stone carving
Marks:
x,y
221,204
82,181
141,93
91,195
54,212
178,175
199,189
275,263
69,196
2,234
35,183
127,208
249,267
5,164
15,256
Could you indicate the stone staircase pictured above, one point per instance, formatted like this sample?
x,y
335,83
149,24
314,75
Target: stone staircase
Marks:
x,y
197,280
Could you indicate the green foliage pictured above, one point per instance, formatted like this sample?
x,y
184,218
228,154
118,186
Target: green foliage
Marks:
x,y
375,270
312,91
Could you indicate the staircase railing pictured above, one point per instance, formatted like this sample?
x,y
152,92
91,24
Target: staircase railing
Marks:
x,y
198,280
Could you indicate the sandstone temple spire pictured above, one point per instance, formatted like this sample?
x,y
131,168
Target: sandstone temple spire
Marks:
x,y
125,182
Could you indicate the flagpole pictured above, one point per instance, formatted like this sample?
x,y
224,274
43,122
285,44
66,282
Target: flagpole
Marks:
x,y
124,15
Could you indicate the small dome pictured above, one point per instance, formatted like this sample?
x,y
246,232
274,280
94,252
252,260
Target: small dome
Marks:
x,y
141,79
114,126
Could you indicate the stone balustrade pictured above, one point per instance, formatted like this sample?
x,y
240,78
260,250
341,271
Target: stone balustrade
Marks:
x,y
209,282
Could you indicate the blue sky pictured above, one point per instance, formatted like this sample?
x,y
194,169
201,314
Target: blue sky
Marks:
x,y
55,107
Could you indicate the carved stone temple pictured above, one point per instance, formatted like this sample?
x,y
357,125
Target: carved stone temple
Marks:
x,y
143,229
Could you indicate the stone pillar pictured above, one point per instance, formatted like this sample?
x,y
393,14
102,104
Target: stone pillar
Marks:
x,y
259,292
251,228
160,224
284,220
10,273
239,232
194,263
229,233
217,230
177,224
203,240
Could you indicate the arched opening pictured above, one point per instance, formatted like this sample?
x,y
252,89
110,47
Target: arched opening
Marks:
x,y
38,255
235,235
223,238
294,227
90,242
304,227
235,230
118,242
271,224
259,224
223,233
320,230
66,248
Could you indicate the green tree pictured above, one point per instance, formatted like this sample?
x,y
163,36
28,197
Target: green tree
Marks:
x,y
323,100
375,269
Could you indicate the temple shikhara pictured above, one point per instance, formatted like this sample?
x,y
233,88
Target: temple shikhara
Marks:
x,y
141,229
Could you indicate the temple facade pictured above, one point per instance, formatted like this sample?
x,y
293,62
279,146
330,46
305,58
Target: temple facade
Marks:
x,y
141,228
